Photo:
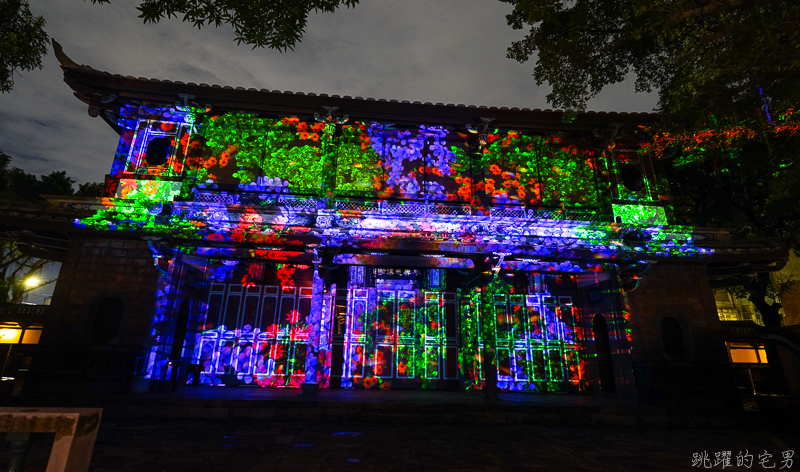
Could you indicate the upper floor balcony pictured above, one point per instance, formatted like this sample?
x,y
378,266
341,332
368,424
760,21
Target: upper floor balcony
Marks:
x,y
367,167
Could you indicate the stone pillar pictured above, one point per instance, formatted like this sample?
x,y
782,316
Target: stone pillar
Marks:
x,y
69,359
486,325
324,356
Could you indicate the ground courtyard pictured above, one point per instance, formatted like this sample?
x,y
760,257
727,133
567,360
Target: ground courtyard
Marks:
x,y
147,444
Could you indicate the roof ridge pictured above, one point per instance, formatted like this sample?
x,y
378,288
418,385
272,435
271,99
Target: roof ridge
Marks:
x,y
67,63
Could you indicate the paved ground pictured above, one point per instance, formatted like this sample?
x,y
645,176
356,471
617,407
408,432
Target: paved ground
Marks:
x,y
246,445
329,395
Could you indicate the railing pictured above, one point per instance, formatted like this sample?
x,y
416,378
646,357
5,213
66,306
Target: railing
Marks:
x,y
24,312
738,313
353,207
739,329
401,208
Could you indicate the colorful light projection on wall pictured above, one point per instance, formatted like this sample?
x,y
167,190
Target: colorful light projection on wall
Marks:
x,y
355,158
261,325
535,339
538,170
639,214
258,327
240,178
427,338
260,159
153,141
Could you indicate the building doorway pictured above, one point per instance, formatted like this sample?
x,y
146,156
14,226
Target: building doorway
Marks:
x,y
400,339
255,333
536,342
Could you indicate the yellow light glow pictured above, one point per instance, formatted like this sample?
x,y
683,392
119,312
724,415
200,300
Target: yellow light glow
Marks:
x,y
32,281
9,335
32,336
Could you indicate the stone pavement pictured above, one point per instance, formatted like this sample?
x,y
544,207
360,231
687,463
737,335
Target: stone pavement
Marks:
x,y
415,407
156,444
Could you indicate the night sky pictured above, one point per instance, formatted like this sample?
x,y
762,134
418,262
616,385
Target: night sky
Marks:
x,y
450,51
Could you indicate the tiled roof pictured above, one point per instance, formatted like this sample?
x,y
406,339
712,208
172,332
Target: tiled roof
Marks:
x,y
229,94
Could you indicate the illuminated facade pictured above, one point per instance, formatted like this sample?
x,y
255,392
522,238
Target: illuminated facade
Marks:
x,y
342,242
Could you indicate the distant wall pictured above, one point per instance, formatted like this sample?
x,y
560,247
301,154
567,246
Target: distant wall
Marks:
x,y
99,320
674,299
791,300
98,268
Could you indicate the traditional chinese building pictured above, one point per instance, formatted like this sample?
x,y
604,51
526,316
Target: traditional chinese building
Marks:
x,y
277,239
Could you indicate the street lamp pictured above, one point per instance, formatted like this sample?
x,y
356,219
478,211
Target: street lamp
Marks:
x,y
32,281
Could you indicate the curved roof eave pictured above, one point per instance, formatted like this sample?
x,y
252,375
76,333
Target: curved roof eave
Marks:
x,y
88,82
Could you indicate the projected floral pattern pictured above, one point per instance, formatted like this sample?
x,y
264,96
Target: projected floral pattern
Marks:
x,y
330,182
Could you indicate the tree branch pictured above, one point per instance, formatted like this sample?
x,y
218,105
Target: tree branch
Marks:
x,y
703,41
718,6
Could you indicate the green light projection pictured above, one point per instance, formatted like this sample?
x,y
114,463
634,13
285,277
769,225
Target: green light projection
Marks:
x,y
537,170
267,152
533,341
640,214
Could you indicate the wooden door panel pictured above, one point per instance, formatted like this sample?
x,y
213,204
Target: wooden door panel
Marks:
x,y
256,334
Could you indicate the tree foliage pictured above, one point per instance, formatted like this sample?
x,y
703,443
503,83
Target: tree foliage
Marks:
x,y
698,54
23,41
276,24
726,72
16,184
738,174
16,268
742,175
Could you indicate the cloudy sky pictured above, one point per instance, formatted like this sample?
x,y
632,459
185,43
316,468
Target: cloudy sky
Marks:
x,y
450,51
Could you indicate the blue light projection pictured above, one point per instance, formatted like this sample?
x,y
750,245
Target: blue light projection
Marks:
x,y
293,189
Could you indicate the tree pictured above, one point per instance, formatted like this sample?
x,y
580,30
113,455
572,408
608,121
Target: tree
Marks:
x,y
276,24
726,72
743,175
23,41
91,189
16,184
20,274
17,268
698,54
740,174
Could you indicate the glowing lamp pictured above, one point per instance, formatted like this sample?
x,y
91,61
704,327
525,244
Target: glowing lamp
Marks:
x,y
32,281
9,335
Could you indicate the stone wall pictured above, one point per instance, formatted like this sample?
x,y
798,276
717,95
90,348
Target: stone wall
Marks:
x,y
791,299
702,376
675,290
95,269
609,306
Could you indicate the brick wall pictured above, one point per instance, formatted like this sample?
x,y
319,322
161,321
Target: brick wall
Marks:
x,y
96,268
681,290
68,361
701,379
